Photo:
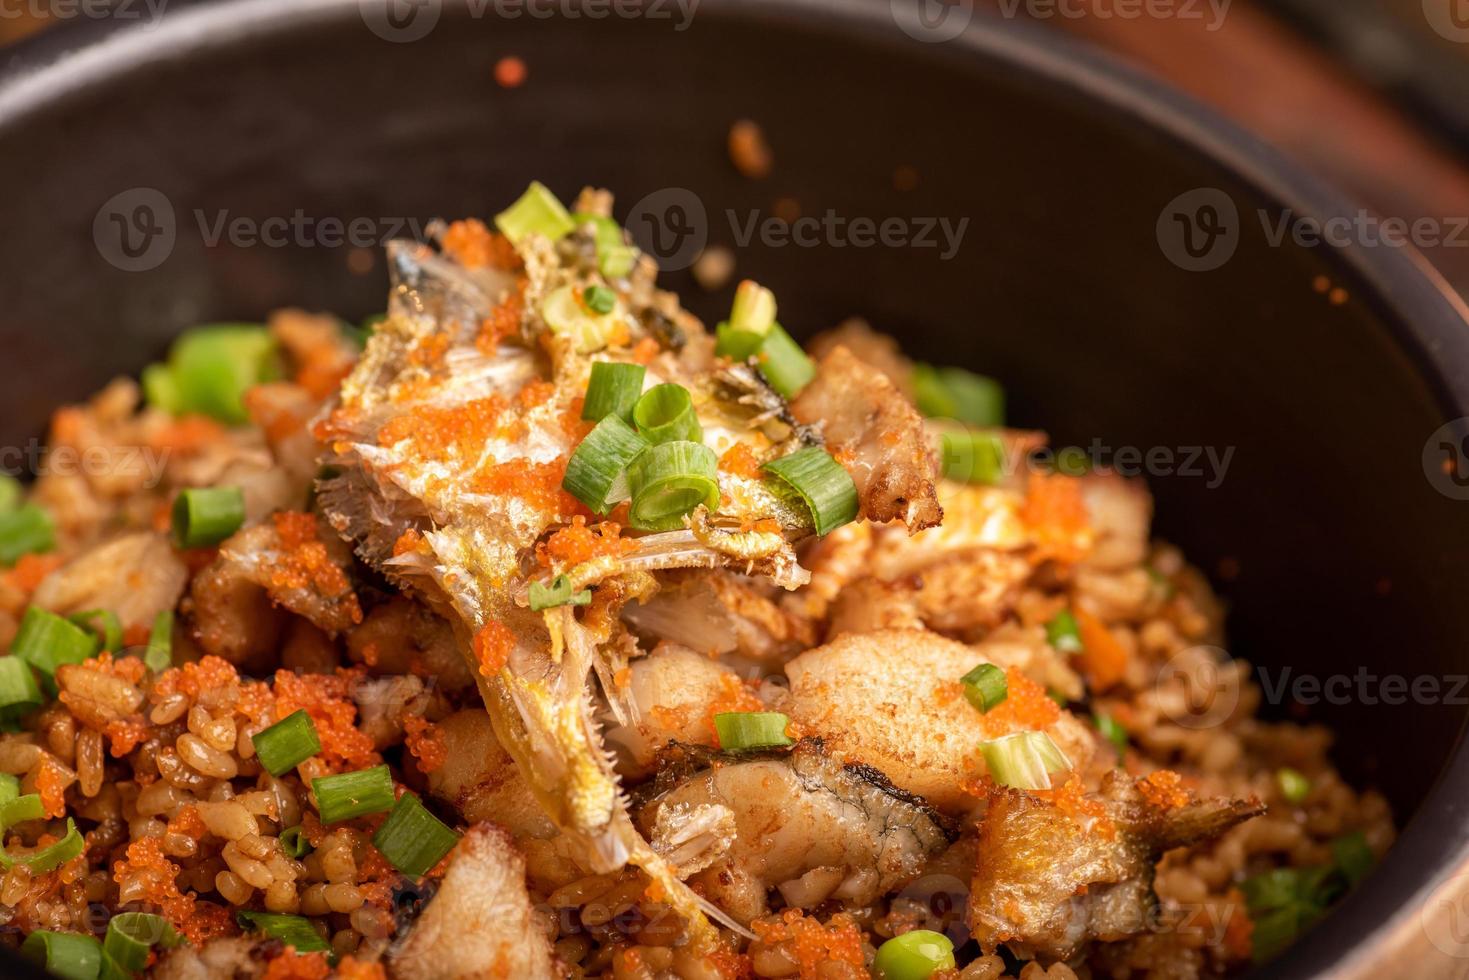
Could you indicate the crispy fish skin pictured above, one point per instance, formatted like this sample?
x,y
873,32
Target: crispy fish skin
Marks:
x,y
1048,882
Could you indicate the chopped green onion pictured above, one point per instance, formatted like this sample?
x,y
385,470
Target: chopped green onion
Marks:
x,y
558,593
595,472
1063,633
669,480
823,483
9,789
52,856
412,839
295,931
783,362
19,693
743,730
46,641
536,212
954,393
65,955
26,530
614,389
1294,786
1112,731
615,257
915,955
104,623
288,743
205,516
209,369
1352,857
1273,931
750,320
131,935
352,794
665,413
159,655
294,843
21,809
567,317
973,457
11,493
599,299
985,686
1024,760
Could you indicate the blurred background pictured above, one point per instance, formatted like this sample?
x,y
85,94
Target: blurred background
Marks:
x,y
1369,93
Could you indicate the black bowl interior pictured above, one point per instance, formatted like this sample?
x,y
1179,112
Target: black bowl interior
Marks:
x,y
1343,554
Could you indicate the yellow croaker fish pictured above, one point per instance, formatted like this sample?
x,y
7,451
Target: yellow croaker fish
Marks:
x,y
448,446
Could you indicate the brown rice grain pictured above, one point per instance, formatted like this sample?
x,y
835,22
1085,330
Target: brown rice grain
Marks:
x,y
251,870
343,897
90,760
228,820
232,888
313,900
281,897
206,758
170,709
18,754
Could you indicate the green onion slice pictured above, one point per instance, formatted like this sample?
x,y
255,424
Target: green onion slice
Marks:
x,y
954,393
1275,930
66,955
536,212
1112,731
46,641
1294,786
159,655
973,457
51,856
9,789
26,530
21,809
1352,856
740,731
599,299
915,955
615,257
209,368
985,687
11,493
614,389
594,474
1063,633
412,839
567,317
130,935
823,483
292,930
19,693
288,743
1024,760
294,843
353,794
783,362
205,516
558,593
750,320
104,623
669,480
665,413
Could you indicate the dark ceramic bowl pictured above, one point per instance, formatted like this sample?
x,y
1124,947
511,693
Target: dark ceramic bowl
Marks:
x,y
153,174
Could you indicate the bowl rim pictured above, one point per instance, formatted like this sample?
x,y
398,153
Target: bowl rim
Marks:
x,y
1410,297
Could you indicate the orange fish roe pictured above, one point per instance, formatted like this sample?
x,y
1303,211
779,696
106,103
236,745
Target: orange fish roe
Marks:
x,y
446,434
188,823
351,969
312,829
1057,518
645,350
729,964
472,244
305,563
51,785
425,741
207,673
146,866
408,541
1164,789
538,484
572,424
376,878
577,543
510,72
820,950
733,695
1027,706
503,321
492,646
327,698
429,351
290,965
740,460
188,433
1071,799
124,735
29,570
534,393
